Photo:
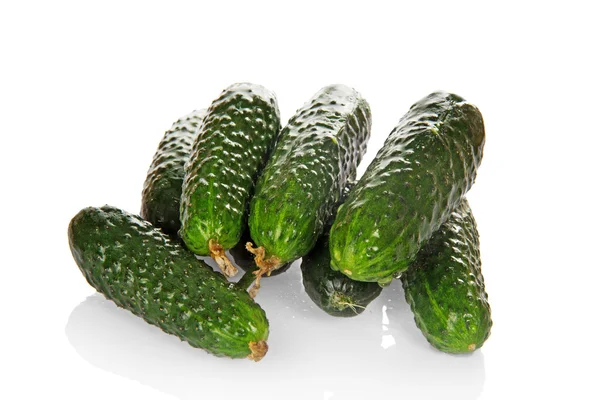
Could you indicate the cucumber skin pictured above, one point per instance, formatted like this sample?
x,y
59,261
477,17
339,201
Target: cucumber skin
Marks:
x,y
417,178
326,287
236,138
317,152
445,288
161,195
146,272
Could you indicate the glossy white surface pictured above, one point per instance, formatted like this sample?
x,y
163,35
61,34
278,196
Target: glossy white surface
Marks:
x,y
87,90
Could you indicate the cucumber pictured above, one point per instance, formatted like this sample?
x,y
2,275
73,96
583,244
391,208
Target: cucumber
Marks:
x,y
317,152
332,291
417,178
445,288
236,138
148,273
162,189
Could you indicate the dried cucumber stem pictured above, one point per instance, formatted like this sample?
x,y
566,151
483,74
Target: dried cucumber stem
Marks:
x,y
342,302
265,266
217,252
258,350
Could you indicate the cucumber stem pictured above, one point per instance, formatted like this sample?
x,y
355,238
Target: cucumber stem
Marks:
x,y
341,302
257,350
351,306
217,252
265,266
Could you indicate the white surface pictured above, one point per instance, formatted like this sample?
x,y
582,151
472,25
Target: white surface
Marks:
x,y
86,92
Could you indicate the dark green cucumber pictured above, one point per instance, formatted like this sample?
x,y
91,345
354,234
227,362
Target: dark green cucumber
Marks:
x,y
148,273
330,290
417,178
317,152
236,138
445,288
162,189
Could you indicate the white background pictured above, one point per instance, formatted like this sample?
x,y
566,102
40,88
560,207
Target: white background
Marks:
x,y
88,88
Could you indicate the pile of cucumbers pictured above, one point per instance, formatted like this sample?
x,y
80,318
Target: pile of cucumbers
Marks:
x,y
229,183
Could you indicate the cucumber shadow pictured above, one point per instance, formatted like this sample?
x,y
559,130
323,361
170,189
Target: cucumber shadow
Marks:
x,y
311,354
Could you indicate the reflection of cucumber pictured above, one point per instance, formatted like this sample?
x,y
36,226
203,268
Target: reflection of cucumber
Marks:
x,y
162,190
445,288
316,154
144,271
426,165
234,142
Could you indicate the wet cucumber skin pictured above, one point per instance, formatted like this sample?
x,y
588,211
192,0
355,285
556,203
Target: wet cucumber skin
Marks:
x,y
445,288
146,272
161,195
317,152
417,178
236,138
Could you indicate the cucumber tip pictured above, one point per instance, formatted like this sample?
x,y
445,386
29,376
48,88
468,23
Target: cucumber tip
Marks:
x,y
258,350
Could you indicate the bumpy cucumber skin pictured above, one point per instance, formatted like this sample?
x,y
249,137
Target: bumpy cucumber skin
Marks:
x,y
418,177
146,272
162,189
236,138
445,288
332,291
317,152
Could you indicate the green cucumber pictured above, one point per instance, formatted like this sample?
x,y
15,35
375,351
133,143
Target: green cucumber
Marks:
x,y
417,178
445,288
236,138
150,274
317,152
162,189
